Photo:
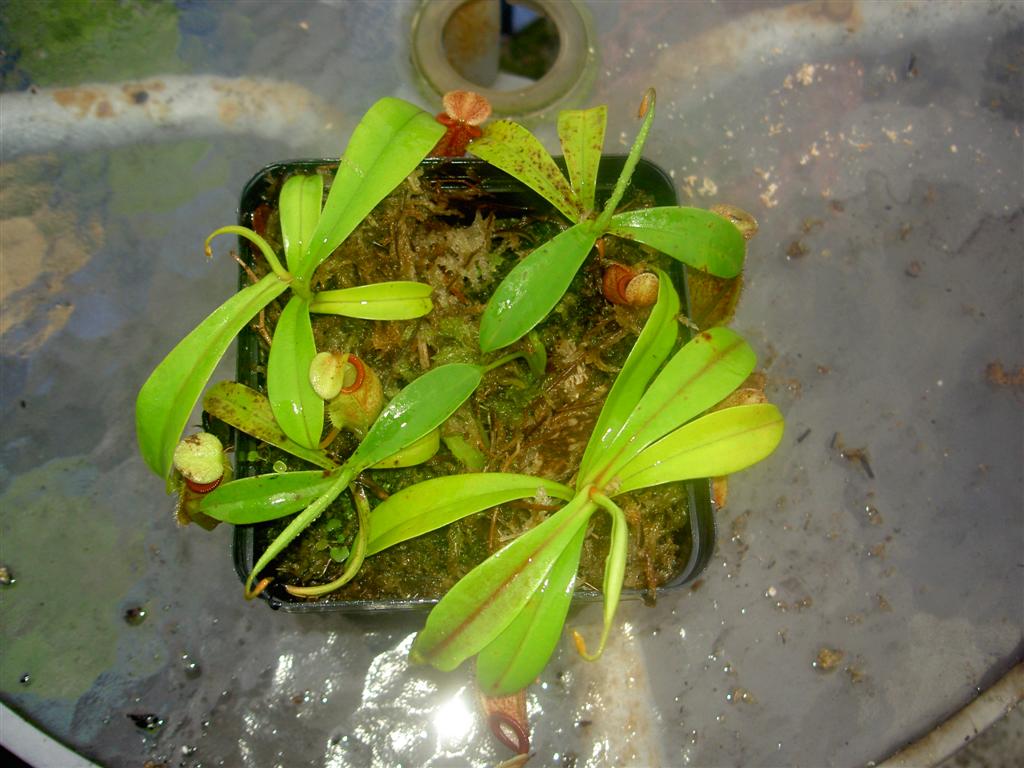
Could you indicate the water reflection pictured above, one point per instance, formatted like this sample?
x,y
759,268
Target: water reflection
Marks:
x,y
454,721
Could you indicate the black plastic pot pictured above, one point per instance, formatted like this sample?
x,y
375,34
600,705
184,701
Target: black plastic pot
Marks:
x,y
455,174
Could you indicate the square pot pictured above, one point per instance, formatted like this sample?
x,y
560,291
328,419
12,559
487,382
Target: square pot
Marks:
x,y
474,186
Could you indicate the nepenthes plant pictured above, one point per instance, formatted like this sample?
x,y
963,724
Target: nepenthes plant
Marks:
x,y
580,419
407,419
390,140
402,434
701,239
509,610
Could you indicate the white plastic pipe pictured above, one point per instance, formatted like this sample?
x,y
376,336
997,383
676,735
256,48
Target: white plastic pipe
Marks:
x,y
160,108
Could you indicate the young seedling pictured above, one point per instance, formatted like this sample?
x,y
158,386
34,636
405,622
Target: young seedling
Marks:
x,y
389,142
403,434
509,610
415,412
701,239
298,409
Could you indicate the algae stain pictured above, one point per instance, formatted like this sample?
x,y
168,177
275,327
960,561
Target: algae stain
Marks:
x,y
158,179
66,42
60,623
42,245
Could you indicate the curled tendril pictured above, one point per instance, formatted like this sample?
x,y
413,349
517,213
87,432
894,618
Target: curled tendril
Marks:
x,y
261,585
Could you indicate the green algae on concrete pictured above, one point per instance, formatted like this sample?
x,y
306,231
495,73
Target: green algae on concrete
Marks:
x,y
60,621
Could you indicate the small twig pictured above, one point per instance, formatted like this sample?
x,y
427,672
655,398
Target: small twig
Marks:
x,y
260,326
367,482
423,351
859,455
492,534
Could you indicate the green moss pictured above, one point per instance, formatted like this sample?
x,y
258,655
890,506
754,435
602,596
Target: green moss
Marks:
x,y
74,560
67,42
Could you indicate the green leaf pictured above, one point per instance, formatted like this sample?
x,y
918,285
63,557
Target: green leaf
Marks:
x,y
533,287
387,145
626,174
652,347
435,503
581,132
512,661
614,573
166,400
720,443
296,406
264,247
299,206
265,497
535,354
471,457
249,411
415,453
487,599
698,238
420,407
339,479
512,148
697,377
399,300
355,559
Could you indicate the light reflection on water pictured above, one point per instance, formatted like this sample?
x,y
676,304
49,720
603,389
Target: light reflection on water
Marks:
x,y
454,721
404,715
283,672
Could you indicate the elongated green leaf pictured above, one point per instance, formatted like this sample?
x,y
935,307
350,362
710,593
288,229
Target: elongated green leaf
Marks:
x,y
512,148
296,406
533,287
614,573
435,503
614,567
386,146
415,453
399,300
421,406
166,400
487,599
626,174
471,457
355,558
265,497
262,245
698,238
652,347
697,377
720,443
512,661
418,409
581,132
535,354
249,411
299,207
339,479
